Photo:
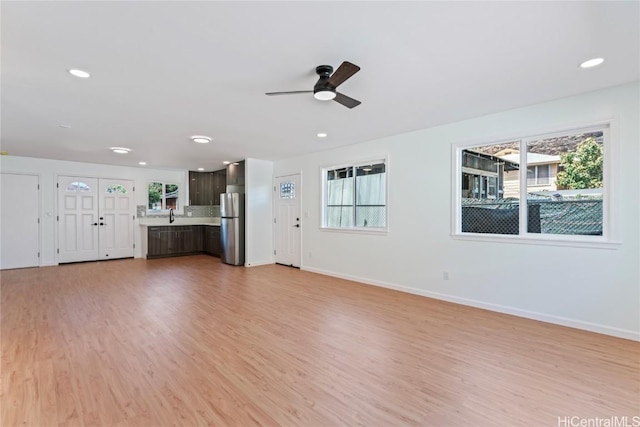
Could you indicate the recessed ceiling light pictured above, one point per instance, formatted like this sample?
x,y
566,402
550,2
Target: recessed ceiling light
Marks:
x,y
142,163
226,162
200,169
65,126
322,135
120,150
594,62
201,139
80,73
236,163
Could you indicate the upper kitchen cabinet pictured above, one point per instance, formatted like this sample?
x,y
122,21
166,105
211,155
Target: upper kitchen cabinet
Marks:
x,y
235,176
201,189
205,187
219,185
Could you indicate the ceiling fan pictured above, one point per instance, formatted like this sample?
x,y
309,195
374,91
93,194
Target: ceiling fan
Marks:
x,y
325,88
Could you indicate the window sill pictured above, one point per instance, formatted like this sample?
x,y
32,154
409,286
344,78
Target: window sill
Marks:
x,y
550,240
357,230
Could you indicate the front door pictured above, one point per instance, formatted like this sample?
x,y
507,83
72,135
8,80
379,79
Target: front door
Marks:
x,y
287,220
115,218
95,219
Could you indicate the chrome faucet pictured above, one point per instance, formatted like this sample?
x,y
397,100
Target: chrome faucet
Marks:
x,y
171,218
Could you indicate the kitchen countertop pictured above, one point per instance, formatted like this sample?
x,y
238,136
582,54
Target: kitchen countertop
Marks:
x,y
154,222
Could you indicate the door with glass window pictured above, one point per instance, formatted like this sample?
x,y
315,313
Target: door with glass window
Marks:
x,y
116,215
287,220
95,219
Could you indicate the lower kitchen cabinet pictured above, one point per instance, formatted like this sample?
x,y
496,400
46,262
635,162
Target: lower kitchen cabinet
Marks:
x,y
165,241
157,242
212,244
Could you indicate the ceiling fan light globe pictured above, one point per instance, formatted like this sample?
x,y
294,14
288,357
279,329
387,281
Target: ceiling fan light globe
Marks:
x,y
324,95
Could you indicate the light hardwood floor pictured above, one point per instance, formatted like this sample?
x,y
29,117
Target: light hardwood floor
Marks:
x,y
190,341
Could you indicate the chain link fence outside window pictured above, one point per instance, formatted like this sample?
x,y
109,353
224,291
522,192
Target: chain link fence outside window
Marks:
x,y
568,217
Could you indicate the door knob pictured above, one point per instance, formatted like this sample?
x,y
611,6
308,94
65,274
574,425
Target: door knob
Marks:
x,y
297,225
95,223
102,223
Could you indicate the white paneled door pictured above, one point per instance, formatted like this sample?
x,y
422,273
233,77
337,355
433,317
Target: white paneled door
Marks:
x,y
117,212
19,221
95,219
287,220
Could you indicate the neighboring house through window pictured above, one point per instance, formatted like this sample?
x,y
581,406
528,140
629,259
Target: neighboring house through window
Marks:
x,y
542,170
162,197
564,189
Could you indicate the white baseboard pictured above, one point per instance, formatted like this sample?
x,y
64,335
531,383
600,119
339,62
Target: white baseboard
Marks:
x,y
258,263
548,318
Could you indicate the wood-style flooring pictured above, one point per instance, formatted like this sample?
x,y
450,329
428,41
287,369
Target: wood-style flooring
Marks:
x,y
190,341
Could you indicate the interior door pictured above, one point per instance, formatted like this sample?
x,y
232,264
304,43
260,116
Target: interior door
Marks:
x,y
19,224
287,220
115,221
77,219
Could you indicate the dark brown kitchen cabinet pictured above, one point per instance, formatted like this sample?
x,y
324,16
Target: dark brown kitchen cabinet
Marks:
x,y
157,242
235,174
212,244
165,241
176,240
202,189
219,185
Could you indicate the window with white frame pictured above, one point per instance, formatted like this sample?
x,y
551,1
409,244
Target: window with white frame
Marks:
x,y
355,196
162,197
562,191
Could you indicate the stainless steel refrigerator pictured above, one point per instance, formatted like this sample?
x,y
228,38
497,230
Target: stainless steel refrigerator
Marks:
x,y
232,228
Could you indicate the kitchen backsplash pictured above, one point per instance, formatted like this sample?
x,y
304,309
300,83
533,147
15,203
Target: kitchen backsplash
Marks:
x,y
196,211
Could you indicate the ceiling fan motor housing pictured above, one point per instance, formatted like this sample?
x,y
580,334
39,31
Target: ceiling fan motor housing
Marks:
x,y
324,70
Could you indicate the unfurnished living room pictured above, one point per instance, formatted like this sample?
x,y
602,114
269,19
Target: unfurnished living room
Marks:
x,y
384,213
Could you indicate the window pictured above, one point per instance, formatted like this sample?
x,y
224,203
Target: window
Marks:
x,y
561,192
116,188
538,174
356,196
78,186
162,197
287,190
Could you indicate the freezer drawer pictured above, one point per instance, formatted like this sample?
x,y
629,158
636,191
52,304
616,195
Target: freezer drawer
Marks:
x,y
232,239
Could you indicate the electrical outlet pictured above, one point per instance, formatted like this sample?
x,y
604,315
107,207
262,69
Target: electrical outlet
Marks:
x,y
310,255
189,213
445,275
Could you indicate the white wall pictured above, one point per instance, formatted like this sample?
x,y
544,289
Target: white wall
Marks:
x,y
259,212
594,289
48,170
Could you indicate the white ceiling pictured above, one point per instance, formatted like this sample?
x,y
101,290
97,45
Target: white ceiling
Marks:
x,y
163,71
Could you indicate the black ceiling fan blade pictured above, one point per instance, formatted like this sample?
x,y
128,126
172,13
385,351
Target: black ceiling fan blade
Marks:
x,y
291,92
344,71
346,101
